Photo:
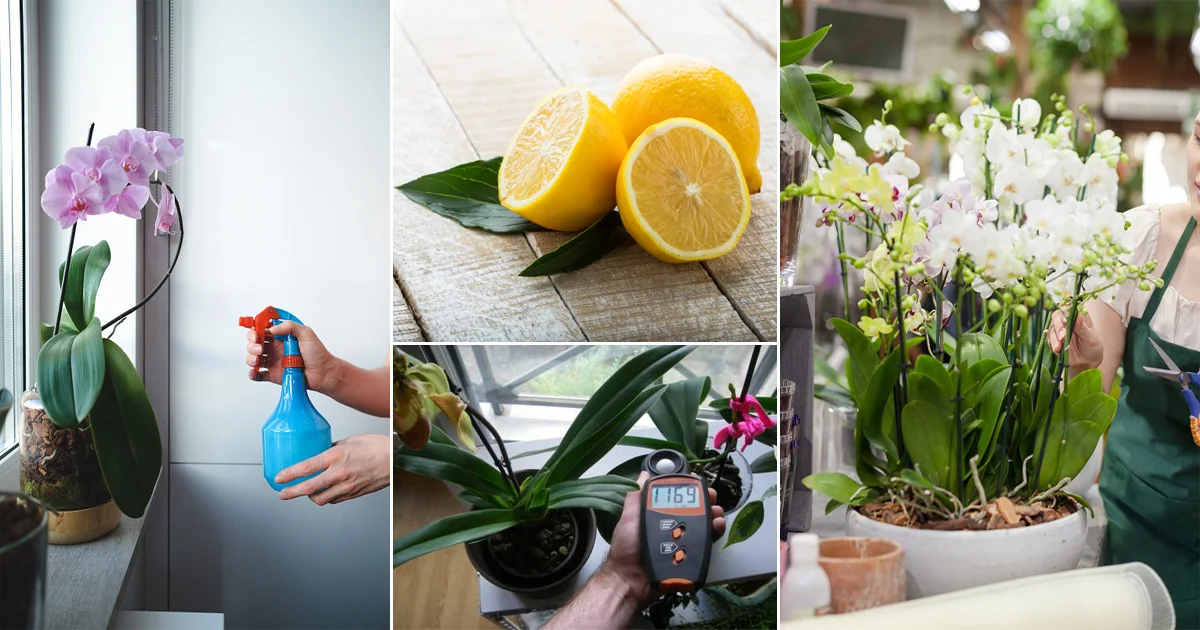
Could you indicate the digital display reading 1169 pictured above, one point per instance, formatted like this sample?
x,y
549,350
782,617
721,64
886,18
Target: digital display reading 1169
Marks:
x,y
675,496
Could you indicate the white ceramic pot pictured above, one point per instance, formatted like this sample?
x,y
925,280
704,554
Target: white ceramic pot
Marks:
x,y
1087,477
940,562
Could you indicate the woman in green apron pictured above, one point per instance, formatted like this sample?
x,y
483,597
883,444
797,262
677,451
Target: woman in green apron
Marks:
x,y
1150,481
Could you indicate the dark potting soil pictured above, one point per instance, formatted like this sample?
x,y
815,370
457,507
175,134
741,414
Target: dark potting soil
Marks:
x,y
59,466
535,549
22,566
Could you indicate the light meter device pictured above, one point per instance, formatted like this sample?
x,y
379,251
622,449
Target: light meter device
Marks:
x,y
676,527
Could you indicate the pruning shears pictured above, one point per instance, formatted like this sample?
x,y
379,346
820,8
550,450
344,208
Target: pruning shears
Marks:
x,y
1186,380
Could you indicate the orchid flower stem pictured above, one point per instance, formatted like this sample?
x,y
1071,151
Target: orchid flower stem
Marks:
x,y
724,457
62,292
167,276
902,397
958,398
1014,360
1060,361
841,242
479,423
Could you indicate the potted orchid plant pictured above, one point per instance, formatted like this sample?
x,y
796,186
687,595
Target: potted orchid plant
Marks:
x,y
90,446
530,530
968,433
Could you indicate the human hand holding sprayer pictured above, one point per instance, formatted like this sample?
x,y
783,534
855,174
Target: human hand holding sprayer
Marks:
x,y
349,468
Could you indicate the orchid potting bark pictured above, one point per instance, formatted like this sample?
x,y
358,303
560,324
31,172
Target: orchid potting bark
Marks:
x,y
959,400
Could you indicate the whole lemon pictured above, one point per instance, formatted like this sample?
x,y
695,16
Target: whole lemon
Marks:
x,y
679,86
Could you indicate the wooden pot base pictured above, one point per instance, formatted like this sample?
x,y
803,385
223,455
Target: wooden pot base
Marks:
x,y
77,526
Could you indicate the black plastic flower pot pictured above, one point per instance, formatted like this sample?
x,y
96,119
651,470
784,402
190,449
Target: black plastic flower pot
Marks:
x,y
735,482
539,558
23,541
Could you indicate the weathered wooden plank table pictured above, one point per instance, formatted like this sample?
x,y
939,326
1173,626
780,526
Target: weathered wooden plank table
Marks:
x,y
465,73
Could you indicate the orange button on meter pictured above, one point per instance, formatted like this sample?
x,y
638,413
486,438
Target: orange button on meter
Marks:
x,y
677,532
675,585
679,556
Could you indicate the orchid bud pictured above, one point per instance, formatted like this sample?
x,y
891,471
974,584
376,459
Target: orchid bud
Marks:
x,y
863,304
1031,301
1144,286
993,305
1021,311
1007,298
1019,290
942,119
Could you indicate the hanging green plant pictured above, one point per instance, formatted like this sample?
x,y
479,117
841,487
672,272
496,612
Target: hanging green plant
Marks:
x,y
1063,32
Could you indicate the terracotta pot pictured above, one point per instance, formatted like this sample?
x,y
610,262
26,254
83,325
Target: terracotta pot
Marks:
x,y
863,573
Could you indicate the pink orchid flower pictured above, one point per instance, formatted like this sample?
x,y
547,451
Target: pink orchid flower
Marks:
x,y
129,202
165,223
165,149
133,155
99,166
753,422
71,196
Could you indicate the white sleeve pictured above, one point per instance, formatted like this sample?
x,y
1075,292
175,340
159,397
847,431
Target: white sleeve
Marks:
x,y
1142,239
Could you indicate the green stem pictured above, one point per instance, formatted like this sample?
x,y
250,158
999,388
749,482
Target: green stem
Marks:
x,y
1001,456
958,398
841,241
62,292
1060,362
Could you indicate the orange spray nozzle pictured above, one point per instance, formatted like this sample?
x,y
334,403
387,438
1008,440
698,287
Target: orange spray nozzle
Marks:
x,y
259,324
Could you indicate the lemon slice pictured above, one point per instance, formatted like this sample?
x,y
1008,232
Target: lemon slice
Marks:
x,y
560,171
681,192
675,86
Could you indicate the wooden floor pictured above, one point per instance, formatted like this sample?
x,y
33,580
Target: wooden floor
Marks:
x,y
466,73
440,590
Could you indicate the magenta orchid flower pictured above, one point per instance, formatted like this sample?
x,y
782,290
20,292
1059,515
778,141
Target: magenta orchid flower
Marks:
x,y
129,202
165,222
133,155
165,149
99,166
71,196
750,421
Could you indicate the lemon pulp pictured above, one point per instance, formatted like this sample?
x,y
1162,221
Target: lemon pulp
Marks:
x,y
681,192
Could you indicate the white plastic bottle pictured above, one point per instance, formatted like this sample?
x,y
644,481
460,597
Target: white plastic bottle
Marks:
x,y
805,589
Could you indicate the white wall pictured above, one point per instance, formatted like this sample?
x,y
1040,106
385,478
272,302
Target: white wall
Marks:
x,y
87,60
284,109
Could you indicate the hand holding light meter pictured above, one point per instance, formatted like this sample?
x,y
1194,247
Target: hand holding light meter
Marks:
x,y
676,524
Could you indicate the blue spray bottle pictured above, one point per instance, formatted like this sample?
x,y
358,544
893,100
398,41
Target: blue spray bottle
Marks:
x,y
296,431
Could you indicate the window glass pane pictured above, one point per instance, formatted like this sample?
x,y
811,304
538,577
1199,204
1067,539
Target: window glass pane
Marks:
x,y
534,392
12,234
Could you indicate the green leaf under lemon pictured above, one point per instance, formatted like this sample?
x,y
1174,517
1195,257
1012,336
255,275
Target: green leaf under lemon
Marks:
x,y
583,249
468,193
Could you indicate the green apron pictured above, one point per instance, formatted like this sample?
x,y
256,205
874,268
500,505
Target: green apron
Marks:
x,y
1150,481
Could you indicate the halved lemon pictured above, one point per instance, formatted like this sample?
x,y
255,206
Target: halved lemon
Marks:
x,y
561,169
681,192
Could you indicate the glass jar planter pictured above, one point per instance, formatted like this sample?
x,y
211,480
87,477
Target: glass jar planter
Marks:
x,y
60,469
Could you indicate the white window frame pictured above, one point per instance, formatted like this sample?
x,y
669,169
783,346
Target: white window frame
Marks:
x,y
14,242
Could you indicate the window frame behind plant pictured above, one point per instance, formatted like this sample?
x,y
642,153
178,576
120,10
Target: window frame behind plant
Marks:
x,y
496,396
